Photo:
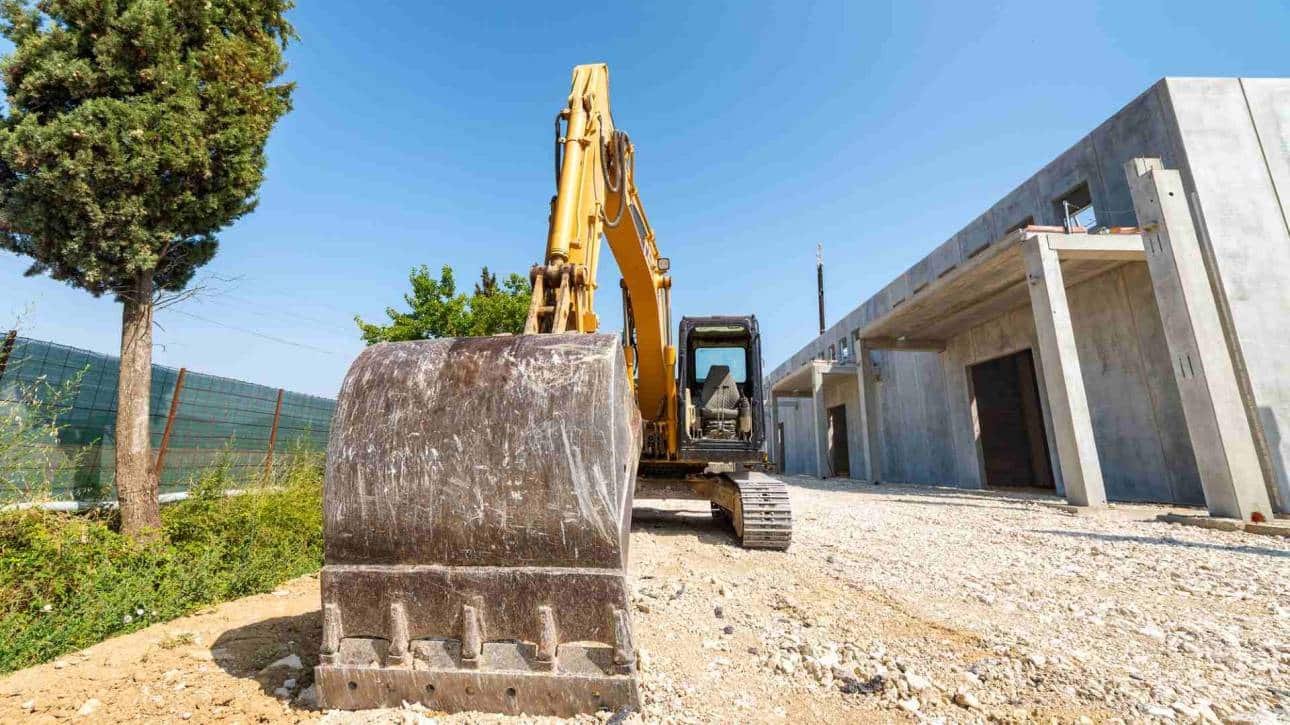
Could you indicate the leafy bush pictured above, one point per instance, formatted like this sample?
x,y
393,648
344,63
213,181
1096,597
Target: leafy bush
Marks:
x,y
67,581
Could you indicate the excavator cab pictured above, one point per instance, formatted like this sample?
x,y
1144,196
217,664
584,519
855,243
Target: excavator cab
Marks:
x,y
719,376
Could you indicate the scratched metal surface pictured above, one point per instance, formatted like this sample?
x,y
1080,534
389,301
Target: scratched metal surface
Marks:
x,y
494,451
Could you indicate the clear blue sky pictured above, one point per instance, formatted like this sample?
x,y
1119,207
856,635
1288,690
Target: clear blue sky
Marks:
x,y
422,134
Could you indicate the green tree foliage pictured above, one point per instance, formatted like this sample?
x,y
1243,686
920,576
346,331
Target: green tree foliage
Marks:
x,y
436,309
134,132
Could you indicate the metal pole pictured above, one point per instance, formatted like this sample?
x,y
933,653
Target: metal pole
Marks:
x,y
819,280
170,421
273,435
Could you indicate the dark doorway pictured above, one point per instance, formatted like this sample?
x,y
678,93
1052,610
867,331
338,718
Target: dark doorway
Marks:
x,y
839,456
1013,444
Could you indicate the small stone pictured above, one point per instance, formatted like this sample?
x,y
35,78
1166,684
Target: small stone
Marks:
x,y
718,612
1037,660
200,655
910,705
280,592
963,698
308,697
185,716
1152,631
728,629
291,662
642,607
785,665
60,664
644,660
282,693
1160,711
90,706
29,705
916,682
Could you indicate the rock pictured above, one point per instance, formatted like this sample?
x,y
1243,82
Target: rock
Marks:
x,y
785,665
289,683
29,705
917,682
90,706
644,660
963,698
728,629
910,705
1153,632
308,698
60,664
1037,660
642,607
282,693
290,662
200,655
1160,711
185,716
718,612
280,592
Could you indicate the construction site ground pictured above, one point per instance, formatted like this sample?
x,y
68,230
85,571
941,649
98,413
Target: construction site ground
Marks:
x,y
895,603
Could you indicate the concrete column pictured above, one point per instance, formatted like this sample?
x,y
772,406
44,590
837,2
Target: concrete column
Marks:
x,y
821,422
1217,423
1072,425
870,411
776,454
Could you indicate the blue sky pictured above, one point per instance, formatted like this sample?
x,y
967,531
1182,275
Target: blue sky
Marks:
x,y
422,134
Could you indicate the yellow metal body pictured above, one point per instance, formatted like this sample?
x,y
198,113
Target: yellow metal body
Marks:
x,y
596,197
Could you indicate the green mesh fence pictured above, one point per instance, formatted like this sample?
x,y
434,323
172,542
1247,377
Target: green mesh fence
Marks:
x,y
58,420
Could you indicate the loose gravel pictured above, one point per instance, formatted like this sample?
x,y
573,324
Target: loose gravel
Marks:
x,y
895,603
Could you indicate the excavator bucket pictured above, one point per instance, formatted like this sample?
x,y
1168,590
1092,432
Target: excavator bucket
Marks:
x,y
477,509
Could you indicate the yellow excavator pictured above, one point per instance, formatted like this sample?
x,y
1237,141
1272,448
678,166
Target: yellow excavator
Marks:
x,y
479,491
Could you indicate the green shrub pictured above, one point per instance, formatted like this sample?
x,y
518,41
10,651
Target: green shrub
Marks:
x,y
68,581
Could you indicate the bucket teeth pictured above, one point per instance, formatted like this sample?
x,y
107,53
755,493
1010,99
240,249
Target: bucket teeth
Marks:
x,y
476,513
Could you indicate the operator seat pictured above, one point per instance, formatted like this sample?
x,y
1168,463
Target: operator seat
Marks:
x,y
719,402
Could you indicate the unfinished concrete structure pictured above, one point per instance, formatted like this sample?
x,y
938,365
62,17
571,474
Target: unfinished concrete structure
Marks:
x,y
1115,328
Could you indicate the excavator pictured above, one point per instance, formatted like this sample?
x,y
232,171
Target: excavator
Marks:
x,y
478,492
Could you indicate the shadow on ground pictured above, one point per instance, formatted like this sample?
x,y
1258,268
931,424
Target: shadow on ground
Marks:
x,y
247,651
695,523
1165,541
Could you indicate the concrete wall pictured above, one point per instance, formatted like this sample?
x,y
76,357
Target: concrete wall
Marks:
x,y
1236,133
845,390
916,442
798,415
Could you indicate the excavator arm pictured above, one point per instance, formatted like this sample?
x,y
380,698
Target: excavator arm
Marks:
x,y
596,196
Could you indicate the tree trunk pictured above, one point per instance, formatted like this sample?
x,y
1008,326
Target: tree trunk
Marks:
x,y
136,480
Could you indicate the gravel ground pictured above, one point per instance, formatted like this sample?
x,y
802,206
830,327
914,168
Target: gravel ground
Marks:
x,y
895,603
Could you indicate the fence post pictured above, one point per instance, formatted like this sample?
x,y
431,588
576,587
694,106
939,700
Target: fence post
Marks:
x,y
273,435
7,349
170,422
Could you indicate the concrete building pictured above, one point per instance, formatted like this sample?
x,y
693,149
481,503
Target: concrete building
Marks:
x,y
1115,328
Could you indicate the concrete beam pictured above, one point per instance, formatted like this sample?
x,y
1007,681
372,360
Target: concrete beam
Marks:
x,y
1068,403
1217,421
821,423
870,412
1115,247
904,343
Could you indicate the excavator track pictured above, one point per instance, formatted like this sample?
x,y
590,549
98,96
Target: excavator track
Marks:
x,y
766,515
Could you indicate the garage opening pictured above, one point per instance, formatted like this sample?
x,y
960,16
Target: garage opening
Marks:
x,y
839,456
1013,444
